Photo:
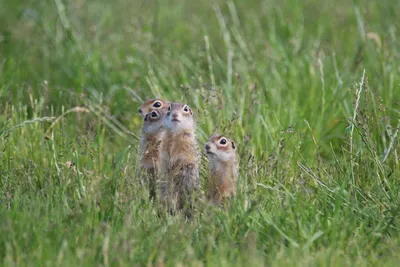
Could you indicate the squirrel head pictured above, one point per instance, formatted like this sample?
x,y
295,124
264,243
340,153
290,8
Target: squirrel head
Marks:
x,y
220,148
153,104
179,117
153,122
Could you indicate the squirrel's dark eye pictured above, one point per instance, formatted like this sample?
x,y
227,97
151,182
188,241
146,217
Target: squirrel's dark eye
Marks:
x,y
186,109
139,110
157,104
154,114
223,141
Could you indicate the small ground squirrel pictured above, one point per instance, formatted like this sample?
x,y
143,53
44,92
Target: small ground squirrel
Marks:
x,y
153,104
179,164
150,148
223,174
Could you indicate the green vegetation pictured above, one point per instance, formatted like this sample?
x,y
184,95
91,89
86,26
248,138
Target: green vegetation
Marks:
x,y
317,136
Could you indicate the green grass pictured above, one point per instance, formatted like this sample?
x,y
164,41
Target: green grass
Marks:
x,y
281,78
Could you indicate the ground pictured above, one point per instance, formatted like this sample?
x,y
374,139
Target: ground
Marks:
x,y
309,90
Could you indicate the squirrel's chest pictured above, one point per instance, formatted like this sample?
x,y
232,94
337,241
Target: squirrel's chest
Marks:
x,y
220,183
153,146
178,156
151,152
221,176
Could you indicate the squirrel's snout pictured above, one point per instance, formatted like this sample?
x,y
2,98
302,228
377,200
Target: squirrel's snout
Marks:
x,y
175,115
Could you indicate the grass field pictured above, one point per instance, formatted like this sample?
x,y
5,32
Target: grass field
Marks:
x,y
309,90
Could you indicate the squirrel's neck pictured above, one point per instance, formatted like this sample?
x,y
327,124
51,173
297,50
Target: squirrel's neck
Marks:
x,y
181,138
153,136
150,149
151,141
184,133
224,169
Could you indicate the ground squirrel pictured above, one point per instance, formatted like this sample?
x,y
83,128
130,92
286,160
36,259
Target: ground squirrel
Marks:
x,y
153,104
223,174
179,165
151,141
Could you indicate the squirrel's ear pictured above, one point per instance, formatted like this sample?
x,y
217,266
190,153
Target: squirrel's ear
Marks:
x,y
190,111
233,145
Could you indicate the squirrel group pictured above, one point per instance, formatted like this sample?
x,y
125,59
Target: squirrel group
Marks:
x,y
169,156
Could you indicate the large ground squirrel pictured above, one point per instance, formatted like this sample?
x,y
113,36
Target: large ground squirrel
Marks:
x,y
153,104
179,167
223,174
150,148
152,111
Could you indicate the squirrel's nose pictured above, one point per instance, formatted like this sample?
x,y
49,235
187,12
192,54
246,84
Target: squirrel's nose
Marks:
x,y
175,115
207,147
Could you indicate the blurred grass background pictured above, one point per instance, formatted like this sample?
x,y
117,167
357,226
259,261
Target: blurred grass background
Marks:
x,y
319,187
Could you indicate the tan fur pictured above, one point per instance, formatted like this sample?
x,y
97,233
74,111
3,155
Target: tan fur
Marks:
x,y
148,106
151,151
223,172
150,148
179,164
